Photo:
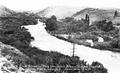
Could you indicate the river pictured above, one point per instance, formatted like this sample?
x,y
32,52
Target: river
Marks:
x,y
44,41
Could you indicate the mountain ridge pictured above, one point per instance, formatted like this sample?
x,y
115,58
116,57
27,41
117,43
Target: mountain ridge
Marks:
x,y
59,11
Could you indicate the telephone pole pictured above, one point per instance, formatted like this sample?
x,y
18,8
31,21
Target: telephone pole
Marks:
x,y
73,49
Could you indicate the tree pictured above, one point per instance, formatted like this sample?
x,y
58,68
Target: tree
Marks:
x,y
109,26
53,17
51,23
115,14
74,26
86,22
105,25
87,19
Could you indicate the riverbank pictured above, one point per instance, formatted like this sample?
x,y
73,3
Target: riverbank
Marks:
x,y
88,44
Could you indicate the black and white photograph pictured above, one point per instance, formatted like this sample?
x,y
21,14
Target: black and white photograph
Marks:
x,y
59,36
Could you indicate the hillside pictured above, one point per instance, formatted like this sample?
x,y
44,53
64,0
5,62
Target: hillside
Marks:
x,y
5,11
10,58
98,14
59,11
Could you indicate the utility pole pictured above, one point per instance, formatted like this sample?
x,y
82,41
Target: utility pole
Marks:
x,y
73,49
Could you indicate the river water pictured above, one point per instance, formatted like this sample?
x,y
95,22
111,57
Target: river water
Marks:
x,y
45,41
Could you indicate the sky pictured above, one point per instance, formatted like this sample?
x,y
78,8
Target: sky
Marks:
x,y
29,5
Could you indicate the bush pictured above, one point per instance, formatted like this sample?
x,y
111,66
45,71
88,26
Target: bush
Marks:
x,y
93,28
115,43
102,45
99,68
88,36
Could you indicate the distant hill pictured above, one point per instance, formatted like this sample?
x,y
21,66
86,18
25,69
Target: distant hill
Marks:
x,y
98,14
59,11
76,12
